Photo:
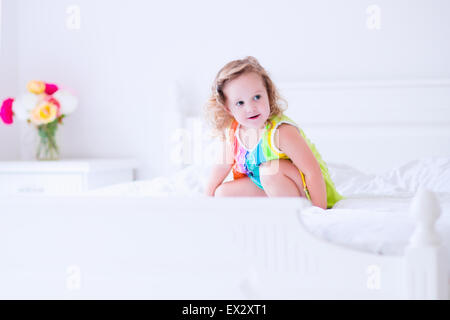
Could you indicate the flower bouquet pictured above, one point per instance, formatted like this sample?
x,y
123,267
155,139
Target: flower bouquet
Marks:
x,y
44,106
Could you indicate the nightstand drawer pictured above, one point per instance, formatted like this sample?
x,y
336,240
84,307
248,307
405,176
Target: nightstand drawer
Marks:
x,y
62,177
36,183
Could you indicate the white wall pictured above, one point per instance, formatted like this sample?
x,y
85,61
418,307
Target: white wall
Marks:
x,y
126,55
9,135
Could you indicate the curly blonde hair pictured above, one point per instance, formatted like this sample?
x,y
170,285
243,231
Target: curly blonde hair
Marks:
x,y
216,112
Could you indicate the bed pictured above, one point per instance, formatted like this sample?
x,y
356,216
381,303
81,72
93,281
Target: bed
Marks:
x,y
162,239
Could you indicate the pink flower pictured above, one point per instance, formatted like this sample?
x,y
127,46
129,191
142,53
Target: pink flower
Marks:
x,y
6,111
50,88
55,102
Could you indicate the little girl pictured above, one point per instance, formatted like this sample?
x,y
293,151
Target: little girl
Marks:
x,y
268,153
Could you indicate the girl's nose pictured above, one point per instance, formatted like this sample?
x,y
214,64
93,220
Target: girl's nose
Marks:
x,y
251,106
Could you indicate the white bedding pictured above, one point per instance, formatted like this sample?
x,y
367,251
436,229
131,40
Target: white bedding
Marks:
x,y
381,225
374,216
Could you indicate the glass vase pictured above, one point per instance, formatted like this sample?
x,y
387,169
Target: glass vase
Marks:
x,y
47,148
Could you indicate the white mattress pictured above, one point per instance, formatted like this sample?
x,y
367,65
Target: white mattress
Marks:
x,y
374,217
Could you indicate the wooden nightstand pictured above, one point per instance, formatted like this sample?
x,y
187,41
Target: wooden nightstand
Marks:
x,y
63,177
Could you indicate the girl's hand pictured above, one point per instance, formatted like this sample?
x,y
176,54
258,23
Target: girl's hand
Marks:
x,y
209,192
218,174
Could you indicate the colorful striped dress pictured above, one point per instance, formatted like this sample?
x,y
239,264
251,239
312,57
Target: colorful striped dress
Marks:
x,y
246,162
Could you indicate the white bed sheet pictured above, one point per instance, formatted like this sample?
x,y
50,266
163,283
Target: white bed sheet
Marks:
x,y
374,216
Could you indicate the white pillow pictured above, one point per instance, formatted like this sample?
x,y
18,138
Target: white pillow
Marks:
x,y
352,182
432,173
405,180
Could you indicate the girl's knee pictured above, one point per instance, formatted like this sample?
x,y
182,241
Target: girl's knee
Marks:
x,y
271,171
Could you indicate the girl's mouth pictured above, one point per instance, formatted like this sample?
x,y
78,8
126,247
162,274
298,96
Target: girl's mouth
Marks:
x,y
254,117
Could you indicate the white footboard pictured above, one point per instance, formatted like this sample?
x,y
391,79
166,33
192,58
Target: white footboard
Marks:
x,y
194,248
289,262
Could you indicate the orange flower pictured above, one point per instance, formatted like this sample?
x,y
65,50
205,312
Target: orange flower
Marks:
x,y
45,112
36,87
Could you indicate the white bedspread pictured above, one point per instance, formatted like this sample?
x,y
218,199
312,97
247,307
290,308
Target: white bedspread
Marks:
x,y
374,216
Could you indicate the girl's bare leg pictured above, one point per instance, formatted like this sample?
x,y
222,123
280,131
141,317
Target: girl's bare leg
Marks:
x,y
242,187
281,178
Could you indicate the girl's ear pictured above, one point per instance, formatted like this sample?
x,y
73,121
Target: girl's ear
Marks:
x,y
227,109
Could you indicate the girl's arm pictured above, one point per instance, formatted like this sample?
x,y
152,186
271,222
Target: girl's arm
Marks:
x,y
221,168
295,147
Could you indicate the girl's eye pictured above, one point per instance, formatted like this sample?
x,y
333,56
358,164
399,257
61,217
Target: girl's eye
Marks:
x,y
239,103
257,97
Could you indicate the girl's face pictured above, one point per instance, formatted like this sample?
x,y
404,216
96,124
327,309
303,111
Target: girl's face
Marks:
x,y
247,100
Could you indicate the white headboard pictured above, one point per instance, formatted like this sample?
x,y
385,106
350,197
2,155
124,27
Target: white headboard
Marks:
x,y
373,125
